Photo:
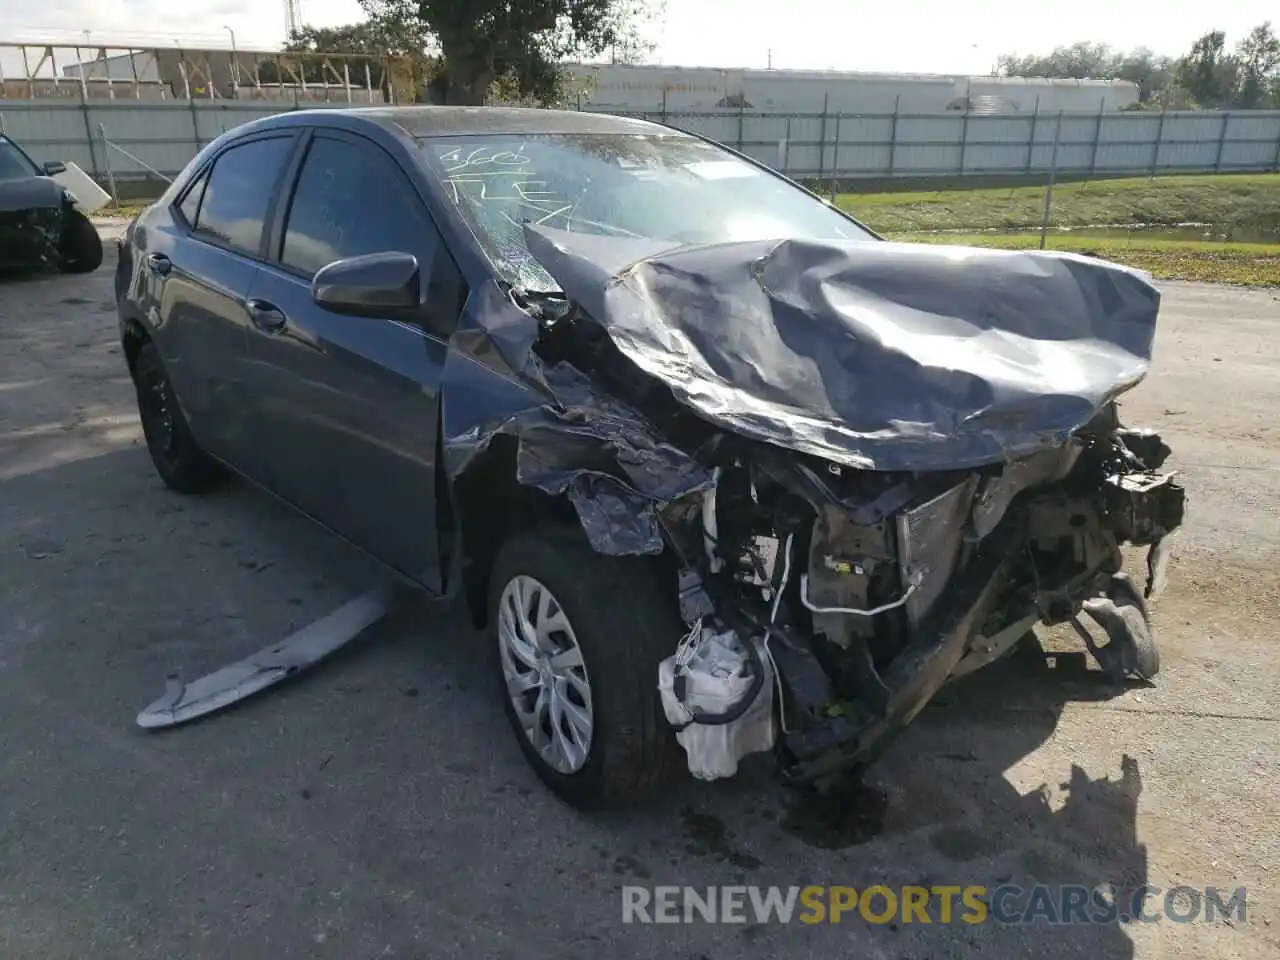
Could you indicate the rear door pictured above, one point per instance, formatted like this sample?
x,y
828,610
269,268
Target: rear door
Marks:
x,y
347,407
199,278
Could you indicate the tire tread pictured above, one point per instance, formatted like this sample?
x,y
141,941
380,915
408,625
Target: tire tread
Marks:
x,y
640,750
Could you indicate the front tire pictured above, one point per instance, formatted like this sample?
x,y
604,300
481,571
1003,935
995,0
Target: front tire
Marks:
x,y
182,465
578,638
80,247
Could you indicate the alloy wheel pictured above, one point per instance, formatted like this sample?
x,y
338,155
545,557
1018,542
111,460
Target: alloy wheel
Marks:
x,y
546,677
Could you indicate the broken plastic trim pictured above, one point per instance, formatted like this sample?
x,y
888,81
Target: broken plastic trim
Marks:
x,y
304,648
701,717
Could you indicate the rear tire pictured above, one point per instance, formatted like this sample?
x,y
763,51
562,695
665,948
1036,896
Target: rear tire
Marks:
x,y
623,624
80,247
182,465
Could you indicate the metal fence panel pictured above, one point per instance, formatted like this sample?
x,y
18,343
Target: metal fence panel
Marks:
x,y
830,145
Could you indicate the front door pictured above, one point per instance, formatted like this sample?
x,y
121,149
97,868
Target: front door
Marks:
x,y
347,407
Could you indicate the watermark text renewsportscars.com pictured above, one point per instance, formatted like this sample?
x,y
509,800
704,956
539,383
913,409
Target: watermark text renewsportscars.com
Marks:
x,y
972,904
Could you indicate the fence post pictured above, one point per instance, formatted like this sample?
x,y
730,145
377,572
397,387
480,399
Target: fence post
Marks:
x,y
964,135
742,110
1275,161
664,103
106,156
785,152
1155,153
835,159
1222,140
893,134
1053,173
1031,139
1097,135
84,115
822,138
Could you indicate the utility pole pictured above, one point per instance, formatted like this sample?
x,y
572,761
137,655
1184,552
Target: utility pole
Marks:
x,y
292,17
235,63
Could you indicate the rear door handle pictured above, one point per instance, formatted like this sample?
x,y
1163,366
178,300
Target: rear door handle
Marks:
x,y
267,317
159,263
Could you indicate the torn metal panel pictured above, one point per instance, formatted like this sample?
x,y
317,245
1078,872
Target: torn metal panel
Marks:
x,y
884,356
997,492
305,648
572,438
929,538
616,520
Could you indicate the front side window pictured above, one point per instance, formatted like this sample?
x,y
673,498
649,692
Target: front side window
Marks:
x,y
353,199
14,164
238,193
659,187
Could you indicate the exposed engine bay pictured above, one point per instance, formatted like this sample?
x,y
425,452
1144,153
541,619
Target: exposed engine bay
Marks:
x,y
841,551
860,594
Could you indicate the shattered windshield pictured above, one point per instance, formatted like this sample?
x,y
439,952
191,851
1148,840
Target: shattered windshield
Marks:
x,y
13,165
666,187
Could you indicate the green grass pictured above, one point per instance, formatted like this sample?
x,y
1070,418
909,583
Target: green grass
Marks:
x,y
127,210
1250,264
1250,201
1232,203
1239,201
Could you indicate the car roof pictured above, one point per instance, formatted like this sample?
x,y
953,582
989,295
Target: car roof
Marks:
x,y
430,121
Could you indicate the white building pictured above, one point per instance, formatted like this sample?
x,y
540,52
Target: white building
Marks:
x,y
708,90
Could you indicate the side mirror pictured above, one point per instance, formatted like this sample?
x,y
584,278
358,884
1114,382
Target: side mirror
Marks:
x,y
52,168
372,285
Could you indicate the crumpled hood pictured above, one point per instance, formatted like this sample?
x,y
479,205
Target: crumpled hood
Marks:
x,y
877,355
29,193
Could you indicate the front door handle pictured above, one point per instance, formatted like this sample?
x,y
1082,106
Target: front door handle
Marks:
x,y
159,263
267,317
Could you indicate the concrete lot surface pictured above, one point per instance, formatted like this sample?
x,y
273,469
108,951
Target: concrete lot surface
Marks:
x,y
379,807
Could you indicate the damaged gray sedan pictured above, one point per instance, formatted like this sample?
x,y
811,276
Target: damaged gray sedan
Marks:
x,y
719,470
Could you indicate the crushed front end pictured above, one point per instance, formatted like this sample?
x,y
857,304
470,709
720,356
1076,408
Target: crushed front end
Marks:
x,y
29,237
858,594
867,468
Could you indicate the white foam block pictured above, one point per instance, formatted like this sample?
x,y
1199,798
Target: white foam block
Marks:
x,y
90,197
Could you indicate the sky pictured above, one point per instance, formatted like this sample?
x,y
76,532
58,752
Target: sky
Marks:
x,y
919,36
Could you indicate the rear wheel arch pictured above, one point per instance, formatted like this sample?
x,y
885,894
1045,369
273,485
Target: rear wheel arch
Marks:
x,y
133,339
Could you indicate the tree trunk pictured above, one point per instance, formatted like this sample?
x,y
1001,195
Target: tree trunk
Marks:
x,y
468,70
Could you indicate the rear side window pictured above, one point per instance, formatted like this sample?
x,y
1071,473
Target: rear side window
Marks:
x,y
190,205
238,192
353,199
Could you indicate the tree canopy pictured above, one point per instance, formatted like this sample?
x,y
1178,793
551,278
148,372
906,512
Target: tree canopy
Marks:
x,y
1210,75
516,46
469,51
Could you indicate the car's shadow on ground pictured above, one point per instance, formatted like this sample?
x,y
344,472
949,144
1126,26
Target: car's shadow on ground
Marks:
x,y
937,810
11,276
113,581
